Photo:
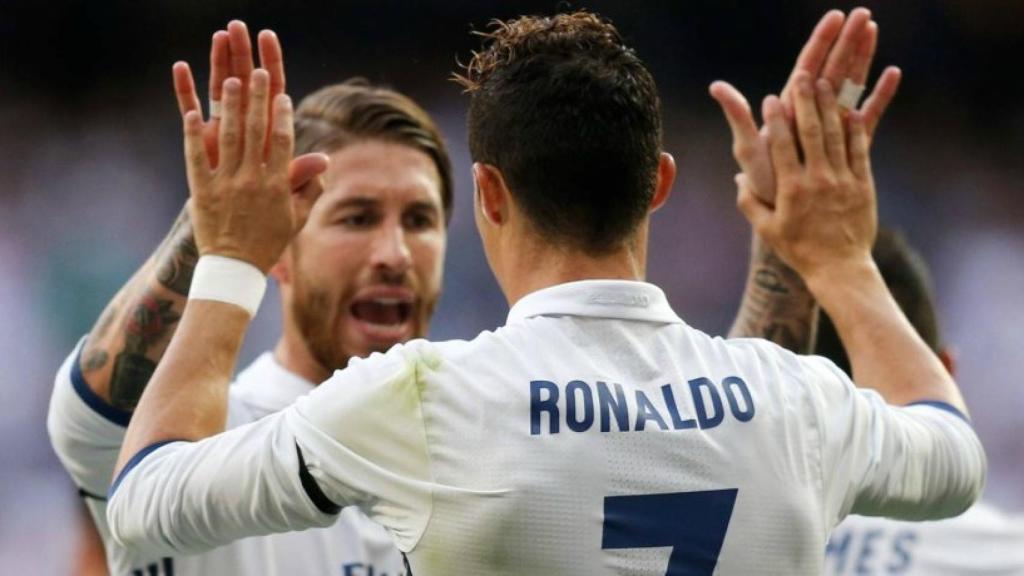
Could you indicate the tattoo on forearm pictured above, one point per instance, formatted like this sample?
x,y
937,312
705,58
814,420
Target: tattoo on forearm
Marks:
x,y
777,306
176,268
93,357
147,324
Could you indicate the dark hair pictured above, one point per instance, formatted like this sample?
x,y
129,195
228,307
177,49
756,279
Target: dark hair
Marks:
x,y
906,275
352,111
571,118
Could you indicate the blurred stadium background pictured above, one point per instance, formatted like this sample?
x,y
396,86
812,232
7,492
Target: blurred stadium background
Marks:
x,y
91,177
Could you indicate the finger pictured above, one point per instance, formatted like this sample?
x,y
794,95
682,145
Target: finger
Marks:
x,y
220,64
304,168
815,51
196,164
185,89
231,126
832,125
785,161
808,121
241,51
272,60
747,146
282,136
837,67
860,65
877,103
753,209
305,196
741,122
256,121
860,160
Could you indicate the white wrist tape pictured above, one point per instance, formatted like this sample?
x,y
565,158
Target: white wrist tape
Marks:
x,y
849,94
228,280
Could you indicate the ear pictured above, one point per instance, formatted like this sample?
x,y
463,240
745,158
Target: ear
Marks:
x,y
492,195
663,184
948,359
282,270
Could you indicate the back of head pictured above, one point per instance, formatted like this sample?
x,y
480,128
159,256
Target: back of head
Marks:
x,y
355,110
906,275
571,118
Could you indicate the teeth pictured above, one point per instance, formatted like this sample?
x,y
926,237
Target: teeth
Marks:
x,y
388,301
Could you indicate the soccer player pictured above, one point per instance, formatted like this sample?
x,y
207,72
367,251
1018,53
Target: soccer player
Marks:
x,y
594,433
364,273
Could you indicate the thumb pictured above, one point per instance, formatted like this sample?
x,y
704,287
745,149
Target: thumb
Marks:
x,y
757,212
305,168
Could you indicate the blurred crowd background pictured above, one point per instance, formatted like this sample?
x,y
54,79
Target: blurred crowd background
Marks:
x,y
91,176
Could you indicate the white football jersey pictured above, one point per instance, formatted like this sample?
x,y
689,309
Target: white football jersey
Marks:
x,y
87,435
980,542
595,433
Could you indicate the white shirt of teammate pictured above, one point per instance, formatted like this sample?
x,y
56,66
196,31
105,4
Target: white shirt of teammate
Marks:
x,y
87,435
980,542
595,433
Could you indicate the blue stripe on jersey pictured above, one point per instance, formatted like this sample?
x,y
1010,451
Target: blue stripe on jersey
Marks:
x,y
135,462
91,399
942,406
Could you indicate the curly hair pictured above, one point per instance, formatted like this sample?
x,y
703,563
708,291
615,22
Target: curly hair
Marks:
x,y
570,115
355,110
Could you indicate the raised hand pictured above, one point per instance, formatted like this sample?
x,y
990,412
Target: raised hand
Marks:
x,y
231,57
825,212
242,207
835,51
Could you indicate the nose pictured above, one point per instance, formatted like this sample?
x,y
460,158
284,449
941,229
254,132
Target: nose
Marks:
x,y
390,250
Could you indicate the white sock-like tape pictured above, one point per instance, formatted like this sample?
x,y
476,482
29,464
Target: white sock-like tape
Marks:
x,y
228,280
849,94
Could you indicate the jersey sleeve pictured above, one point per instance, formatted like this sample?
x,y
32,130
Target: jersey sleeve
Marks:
x,y
917,462
85,431
355,440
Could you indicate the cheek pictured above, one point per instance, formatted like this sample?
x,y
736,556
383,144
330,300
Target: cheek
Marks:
x,y
428,258
333,261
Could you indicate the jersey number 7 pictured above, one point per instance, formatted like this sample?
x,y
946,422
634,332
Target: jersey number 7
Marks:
x,y
692,523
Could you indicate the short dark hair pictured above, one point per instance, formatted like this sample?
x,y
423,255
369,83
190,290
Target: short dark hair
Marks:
x,y
355,110
571,118
907,277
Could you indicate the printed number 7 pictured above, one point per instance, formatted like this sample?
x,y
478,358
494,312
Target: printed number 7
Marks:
x,y
692,523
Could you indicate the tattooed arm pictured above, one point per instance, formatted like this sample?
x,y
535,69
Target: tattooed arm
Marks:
x,y
132,333
776,304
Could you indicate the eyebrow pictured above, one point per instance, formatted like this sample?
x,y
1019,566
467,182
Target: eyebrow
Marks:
x,y
370,202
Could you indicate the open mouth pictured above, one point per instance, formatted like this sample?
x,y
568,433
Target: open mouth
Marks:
x,y
383,312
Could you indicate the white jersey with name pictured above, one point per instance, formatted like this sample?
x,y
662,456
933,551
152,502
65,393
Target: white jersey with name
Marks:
x,y
87,434
980,542
595,433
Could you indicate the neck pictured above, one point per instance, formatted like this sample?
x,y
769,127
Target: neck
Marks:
x,y
542,266
292,352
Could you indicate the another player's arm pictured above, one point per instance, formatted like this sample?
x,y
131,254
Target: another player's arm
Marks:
x,y
824,225
243,210
126,343
776,304
915,462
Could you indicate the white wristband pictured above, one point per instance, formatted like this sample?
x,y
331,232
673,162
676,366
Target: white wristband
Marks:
x,y
228,280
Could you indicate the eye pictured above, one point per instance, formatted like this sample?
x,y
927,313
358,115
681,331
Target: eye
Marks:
x,y
363,219
420,220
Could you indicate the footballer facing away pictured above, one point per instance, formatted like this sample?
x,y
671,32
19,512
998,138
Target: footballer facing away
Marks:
x,y
88,425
